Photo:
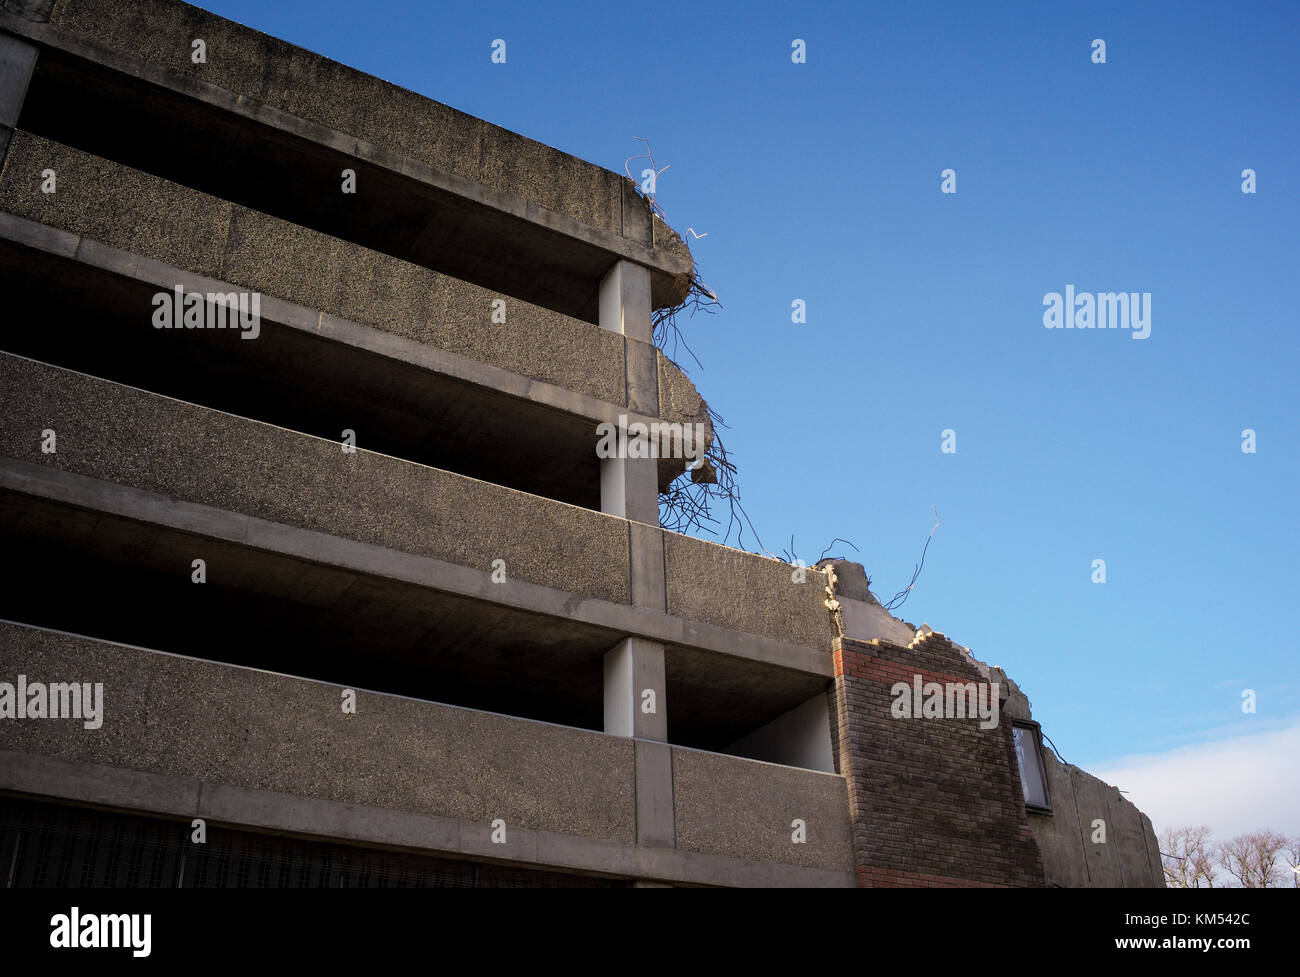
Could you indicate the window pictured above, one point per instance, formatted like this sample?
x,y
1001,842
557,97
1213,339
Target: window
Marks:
x,y
1033,777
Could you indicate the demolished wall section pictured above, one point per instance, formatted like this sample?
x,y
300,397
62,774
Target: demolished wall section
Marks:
x,y
933,802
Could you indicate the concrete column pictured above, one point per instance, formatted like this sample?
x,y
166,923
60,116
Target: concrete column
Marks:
x,y
17,61
629,487
656,818
625,309
625,301
634,684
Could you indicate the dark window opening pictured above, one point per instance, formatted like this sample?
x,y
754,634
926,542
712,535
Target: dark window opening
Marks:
x,y
1033,772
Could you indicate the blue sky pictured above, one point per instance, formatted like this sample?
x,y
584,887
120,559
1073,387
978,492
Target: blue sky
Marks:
x,y
821,181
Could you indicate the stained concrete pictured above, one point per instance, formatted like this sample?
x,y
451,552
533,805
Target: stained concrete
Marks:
x,y
655,790
259,157
35,10
744,808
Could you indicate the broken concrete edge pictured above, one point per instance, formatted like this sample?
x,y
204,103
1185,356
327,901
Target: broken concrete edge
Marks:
x,y
849,581
675,289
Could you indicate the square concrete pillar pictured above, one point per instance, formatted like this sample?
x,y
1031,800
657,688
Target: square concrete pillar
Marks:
x,y
629,489
635,707
634,690
656,815
625,309
625,301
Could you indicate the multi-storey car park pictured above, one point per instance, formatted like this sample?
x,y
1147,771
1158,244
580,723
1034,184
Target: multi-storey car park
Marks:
x,y
360,595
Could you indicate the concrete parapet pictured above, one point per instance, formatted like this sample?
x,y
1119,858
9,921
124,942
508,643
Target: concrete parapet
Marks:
x,y
746,808
746,592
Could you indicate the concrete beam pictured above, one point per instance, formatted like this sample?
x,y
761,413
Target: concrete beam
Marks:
x,y
757,589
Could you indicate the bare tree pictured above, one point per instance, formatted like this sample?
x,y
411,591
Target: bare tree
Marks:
x,y
1293,860
1188,857
1255,859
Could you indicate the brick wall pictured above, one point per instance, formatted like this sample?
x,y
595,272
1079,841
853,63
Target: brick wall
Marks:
x,y
934,802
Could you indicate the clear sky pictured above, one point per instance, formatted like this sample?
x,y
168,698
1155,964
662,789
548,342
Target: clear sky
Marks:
x,y
821,181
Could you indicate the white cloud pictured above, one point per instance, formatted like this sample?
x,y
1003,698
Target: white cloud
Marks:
x,y
1232,785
